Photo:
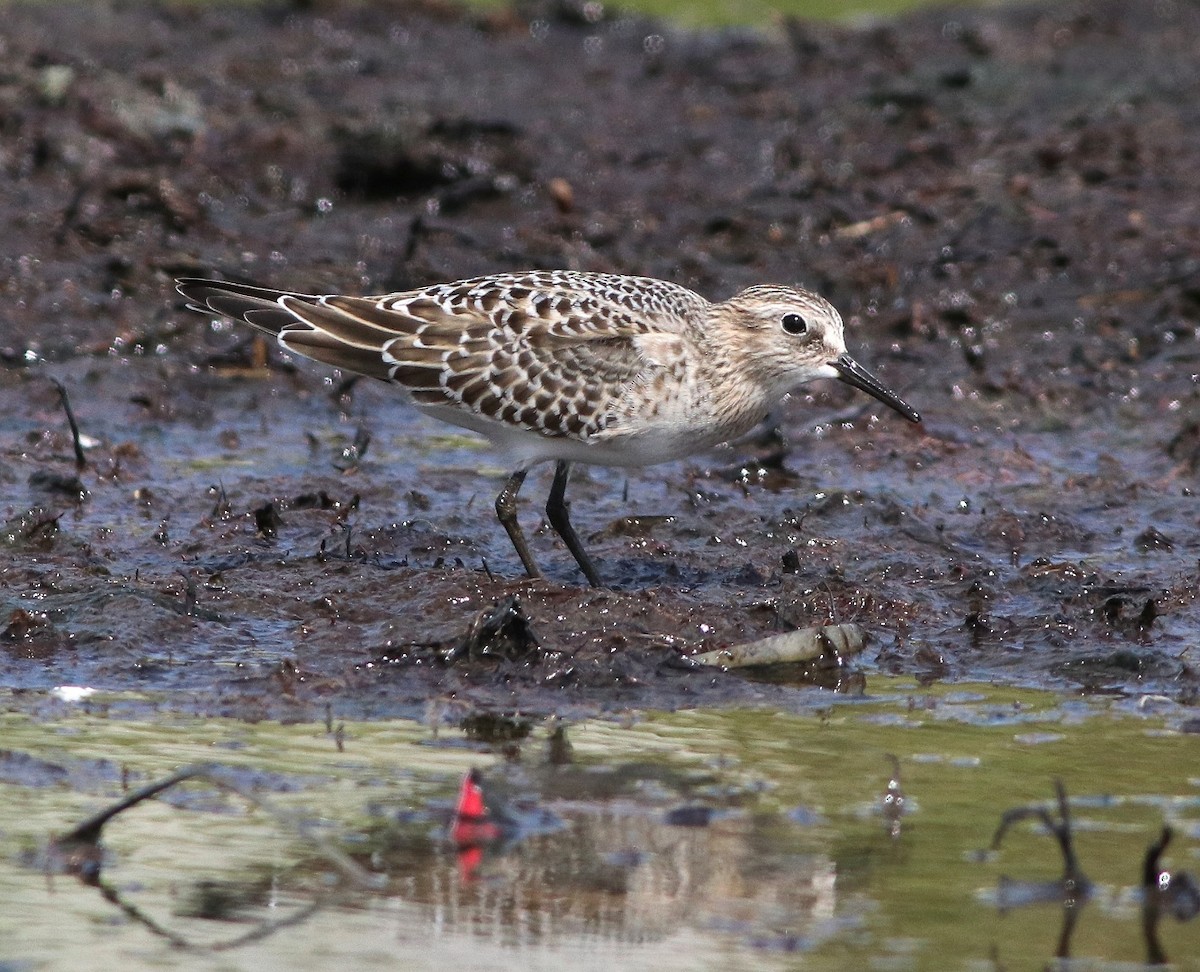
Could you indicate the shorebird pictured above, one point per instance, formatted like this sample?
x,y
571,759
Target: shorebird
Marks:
x,y
568,366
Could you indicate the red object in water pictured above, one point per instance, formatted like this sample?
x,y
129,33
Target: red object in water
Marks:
x,y
472,824
472,827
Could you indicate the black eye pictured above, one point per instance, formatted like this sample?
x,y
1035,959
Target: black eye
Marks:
x,y
794,324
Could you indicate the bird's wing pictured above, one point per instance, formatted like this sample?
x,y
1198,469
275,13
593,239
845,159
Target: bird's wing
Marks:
x,y
553,352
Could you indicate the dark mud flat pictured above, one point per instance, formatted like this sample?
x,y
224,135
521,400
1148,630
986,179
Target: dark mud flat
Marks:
x,y
1002,204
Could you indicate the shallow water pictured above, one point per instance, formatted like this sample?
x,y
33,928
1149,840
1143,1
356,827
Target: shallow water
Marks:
x,y
787,859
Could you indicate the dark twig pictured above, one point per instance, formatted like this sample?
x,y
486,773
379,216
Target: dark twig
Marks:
x,y
353,454
80,458
67,221
189,593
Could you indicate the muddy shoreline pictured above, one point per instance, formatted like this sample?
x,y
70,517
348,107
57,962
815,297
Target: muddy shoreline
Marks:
x,y
1001,203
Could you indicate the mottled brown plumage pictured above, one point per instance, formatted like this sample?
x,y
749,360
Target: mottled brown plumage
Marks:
x,y
566,365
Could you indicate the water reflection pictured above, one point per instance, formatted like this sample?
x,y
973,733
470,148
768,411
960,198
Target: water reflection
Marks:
x,y
681,840
1163,893
620,872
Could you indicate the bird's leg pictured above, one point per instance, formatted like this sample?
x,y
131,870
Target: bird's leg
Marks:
x,y
558,511
506,513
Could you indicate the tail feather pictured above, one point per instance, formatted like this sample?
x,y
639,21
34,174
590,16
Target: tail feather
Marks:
x,y
256,306
321,347
341,325
300,322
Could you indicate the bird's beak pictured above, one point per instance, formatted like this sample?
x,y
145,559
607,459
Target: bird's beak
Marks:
x,y
852,373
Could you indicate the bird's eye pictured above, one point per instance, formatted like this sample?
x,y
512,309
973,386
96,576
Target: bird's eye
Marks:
x,y
794,324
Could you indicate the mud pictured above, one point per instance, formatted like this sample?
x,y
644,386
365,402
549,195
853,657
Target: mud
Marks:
x,y
1001,202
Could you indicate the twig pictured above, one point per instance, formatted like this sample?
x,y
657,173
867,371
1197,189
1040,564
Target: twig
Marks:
x,y
80,458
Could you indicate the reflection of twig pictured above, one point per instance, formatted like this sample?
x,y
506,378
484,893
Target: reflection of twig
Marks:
x,y
1074,887
1151,903
1075,884
88,832
268,928
1176,894
1163,892
132,911
80,849
80,458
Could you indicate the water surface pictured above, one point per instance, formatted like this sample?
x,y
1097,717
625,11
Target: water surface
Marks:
x,y
689,840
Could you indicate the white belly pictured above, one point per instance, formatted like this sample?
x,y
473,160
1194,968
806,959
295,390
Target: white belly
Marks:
x,y
663,442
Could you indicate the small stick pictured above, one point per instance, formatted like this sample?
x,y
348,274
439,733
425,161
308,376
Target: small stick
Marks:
x,y
80,458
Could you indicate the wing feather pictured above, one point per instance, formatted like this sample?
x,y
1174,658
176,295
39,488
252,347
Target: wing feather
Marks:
x,y
554,352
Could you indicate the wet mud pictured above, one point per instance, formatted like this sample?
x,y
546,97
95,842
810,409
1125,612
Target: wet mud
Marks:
x,y
1001,203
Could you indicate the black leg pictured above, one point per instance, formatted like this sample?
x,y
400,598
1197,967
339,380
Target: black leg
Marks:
x,y
558,511
506,513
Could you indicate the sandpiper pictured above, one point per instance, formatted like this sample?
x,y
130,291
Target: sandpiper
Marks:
x,y
568,366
